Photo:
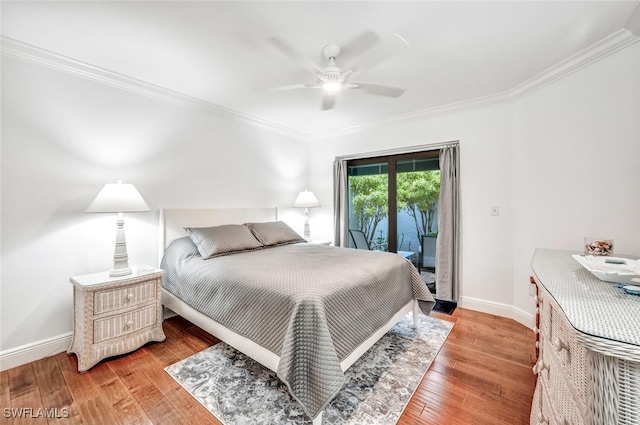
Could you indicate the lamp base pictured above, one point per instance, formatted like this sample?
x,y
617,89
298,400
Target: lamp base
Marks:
x,y
120,272
120,256
307,230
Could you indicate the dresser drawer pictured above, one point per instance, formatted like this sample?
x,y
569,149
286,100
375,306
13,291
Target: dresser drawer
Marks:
x,y
123,324
562,405
571,355
125,297
548,410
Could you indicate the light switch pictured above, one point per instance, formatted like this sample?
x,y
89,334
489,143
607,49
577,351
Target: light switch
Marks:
x,y
495,210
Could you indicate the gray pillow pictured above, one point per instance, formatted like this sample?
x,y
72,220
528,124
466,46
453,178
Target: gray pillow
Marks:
x,y
222,240
274,233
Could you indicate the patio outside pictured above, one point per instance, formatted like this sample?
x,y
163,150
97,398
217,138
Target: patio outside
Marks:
x,y
417,204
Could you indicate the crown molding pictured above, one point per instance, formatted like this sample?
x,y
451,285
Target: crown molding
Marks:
x,y
17,49
597,51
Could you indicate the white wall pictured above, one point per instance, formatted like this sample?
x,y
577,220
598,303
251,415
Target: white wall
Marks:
x,y
562,163
577,163
64,137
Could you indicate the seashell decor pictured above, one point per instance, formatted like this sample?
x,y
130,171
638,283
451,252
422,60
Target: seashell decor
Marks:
x,y
598,246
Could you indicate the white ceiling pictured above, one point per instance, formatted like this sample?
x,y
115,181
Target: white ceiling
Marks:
x,y
217,51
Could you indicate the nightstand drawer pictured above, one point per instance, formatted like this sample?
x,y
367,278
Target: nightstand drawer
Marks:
x,y
128,296
116,326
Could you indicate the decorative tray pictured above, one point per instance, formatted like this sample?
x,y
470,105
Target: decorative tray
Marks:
x,y
611,269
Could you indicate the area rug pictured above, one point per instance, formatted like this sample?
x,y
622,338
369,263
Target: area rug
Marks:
x,y
239,391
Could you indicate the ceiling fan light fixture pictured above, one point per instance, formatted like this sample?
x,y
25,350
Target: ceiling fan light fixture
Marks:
x,y
333,79
332,87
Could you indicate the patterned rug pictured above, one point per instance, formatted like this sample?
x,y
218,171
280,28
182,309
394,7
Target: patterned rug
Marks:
x,y
239,391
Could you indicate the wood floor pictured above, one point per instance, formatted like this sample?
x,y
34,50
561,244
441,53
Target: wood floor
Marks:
x,y
482,375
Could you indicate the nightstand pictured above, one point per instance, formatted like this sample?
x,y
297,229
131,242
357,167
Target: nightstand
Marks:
x,y
115,315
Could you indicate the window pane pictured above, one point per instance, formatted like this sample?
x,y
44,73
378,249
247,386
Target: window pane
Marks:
x,y
418,189
368,206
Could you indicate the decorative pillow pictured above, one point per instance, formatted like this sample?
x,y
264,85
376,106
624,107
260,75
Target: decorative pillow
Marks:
x,y
274,233
222,240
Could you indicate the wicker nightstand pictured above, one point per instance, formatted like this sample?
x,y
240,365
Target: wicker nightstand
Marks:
x,y
115,315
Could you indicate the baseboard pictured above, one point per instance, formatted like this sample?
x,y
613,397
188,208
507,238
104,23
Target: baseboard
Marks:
x,y
34,351
523,317
499,309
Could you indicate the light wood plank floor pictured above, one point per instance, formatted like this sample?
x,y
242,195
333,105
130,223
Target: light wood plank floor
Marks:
x,y
482,375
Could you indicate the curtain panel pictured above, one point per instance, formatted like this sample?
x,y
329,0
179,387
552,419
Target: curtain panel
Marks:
x,y
448,245
340,202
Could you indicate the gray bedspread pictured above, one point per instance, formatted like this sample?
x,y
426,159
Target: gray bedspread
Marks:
x,y
310,304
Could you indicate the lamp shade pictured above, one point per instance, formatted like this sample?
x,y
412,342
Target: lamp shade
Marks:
x,y
118,197
306,199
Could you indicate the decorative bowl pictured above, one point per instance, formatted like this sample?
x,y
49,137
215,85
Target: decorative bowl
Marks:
x,y
611,269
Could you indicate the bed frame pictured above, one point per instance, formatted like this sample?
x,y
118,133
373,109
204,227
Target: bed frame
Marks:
x,y
172,224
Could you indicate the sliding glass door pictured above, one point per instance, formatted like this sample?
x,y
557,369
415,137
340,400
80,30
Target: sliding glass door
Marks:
x,y
393,202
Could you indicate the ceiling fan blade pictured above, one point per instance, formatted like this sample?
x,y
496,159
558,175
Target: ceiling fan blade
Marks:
x,y
328,101
360,44
293,54
385,50
292,87
378,90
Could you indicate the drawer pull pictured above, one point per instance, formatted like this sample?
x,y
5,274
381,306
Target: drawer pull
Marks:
x,y
559,345
130,323
130,297
539,367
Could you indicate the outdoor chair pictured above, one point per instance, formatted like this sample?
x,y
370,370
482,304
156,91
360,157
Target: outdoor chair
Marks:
x,y
428,257
360,242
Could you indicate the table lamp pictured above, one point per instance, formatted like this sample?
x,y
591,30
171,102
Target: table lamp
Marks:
x,y
306,200
119,198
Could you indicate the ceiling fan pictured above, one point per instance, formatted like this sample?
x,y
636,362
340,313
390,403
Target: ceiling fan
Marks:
x,y
364,52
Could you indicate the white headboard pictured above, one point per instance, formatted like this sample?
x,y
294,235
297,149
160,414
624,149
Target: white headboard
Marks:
x,y
173,221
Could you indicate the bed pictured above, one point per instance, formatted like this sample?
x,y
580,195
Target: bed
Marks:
x,y
307,311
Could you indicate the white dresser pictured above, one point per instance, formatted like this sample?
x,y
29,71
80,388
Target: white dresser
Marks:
x,y
115,315
589,346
